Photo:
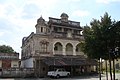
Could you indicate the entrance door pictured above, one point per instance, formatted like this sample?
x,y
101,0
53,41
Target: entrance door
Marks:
x,y
6,64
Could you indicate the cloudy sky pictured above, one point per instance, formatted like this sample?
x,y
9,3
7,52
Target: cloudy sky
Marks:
x,y
18,17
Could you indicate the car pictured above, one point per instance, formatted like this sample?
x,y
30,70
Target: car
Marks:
x,y
58,73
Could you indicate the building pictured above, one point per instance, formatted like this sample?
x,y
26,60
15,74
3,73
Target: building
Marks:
x,y
56,44
117,64
9,60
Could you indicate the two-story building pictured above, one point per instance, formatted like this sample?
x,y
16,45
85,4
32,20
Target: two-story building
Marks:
x,y
56,44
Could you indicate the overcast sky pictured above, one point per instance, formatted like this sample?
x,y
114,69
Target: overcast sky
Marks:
x,y
18,17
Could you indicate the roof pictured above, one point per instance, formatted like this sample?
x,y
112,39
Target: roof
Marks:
x,y
10,56
64,15
72,24
68,61
41,19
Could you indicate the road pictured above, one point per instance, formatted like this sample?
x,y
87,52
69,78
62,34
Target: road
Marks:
x,y
74,78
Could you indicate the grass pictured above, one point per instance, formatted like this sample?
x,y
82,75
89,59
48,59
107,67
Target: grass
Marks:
x,y
117,71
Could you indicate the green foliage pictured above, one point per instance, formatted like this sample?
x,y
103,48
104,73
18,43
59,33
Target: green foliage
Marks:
x,y
6,49
100,37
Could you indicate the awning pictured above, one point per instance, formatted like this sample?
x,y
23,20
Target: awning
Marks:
x,y
55,61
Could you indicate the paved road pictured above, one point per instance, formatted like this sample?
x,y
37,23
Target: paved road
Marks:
x,y
75,78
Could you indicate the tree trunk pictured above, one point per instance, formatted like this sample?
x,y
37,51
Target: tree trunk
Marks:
x,y
106,70
99,69
110,67
113,69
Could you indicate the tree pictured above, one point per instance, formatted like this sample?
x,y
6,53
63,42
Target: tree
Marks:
x,y
116,51
107,25
93,43
100,38
6,49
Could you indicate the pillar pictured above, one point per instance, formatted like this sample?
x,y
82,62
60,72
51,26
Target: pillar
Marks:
x,y
62,29
64,50
74,50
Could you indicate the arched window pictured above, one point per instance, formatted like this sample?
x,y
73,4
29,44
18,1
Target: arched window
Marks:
x,y
58,46
41,29
44,45
69,49
78,48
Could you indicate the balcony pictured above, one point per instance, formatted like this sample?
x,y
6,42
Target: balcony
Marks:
x,y
79,53
78,36
58,52
59,34
40,53
68,53
65,35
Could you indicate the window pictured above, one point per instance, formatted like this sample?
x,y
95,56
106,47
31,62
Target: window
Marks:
x,y
65,30
55,29
77,49
43,68
44,45
41,29
14,65
69,34
56,48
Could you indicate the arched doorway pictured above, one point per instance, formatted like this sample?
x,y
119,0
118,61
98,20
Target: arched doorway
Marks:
x,y
58,48
69,49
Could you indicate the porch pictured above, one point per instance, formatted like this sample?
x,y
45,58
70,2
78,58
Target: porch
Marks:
x,y
76,65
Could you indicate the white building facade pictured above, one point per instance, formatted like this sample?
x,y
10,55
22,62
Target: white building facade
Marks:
x,y
56,37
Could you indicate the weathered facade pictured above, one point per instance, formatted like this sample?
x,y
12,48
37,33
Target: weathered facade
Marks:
x,y
56,44
9,60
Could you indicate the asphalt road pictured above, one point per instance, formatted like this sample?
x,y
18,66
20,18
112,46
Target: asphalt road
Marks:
x,y
74,78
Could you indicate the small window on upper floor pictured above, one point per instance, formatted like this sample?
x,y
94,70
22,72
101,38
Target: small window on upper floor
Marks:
x,y
69,34
14,65
41,29
65,30
43,68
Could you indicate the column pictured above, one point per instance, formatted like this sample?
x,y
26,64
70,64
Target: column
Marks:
x,y
53,49
62,29
64,52
52,28
74,50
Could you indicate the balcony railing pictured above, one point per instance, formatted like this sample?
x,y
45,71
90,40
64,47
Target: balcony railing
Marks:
x,y
40,53
79,53
58,52
69,52
64,35
60,34
78,36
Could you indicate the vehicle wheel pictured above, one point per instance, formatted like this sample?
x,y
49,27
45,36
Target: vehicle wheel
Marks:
x,y
57,76
68,75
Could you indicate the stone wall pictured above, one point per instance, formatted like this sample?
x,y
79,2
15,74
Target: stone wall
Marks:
x,y
17,72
